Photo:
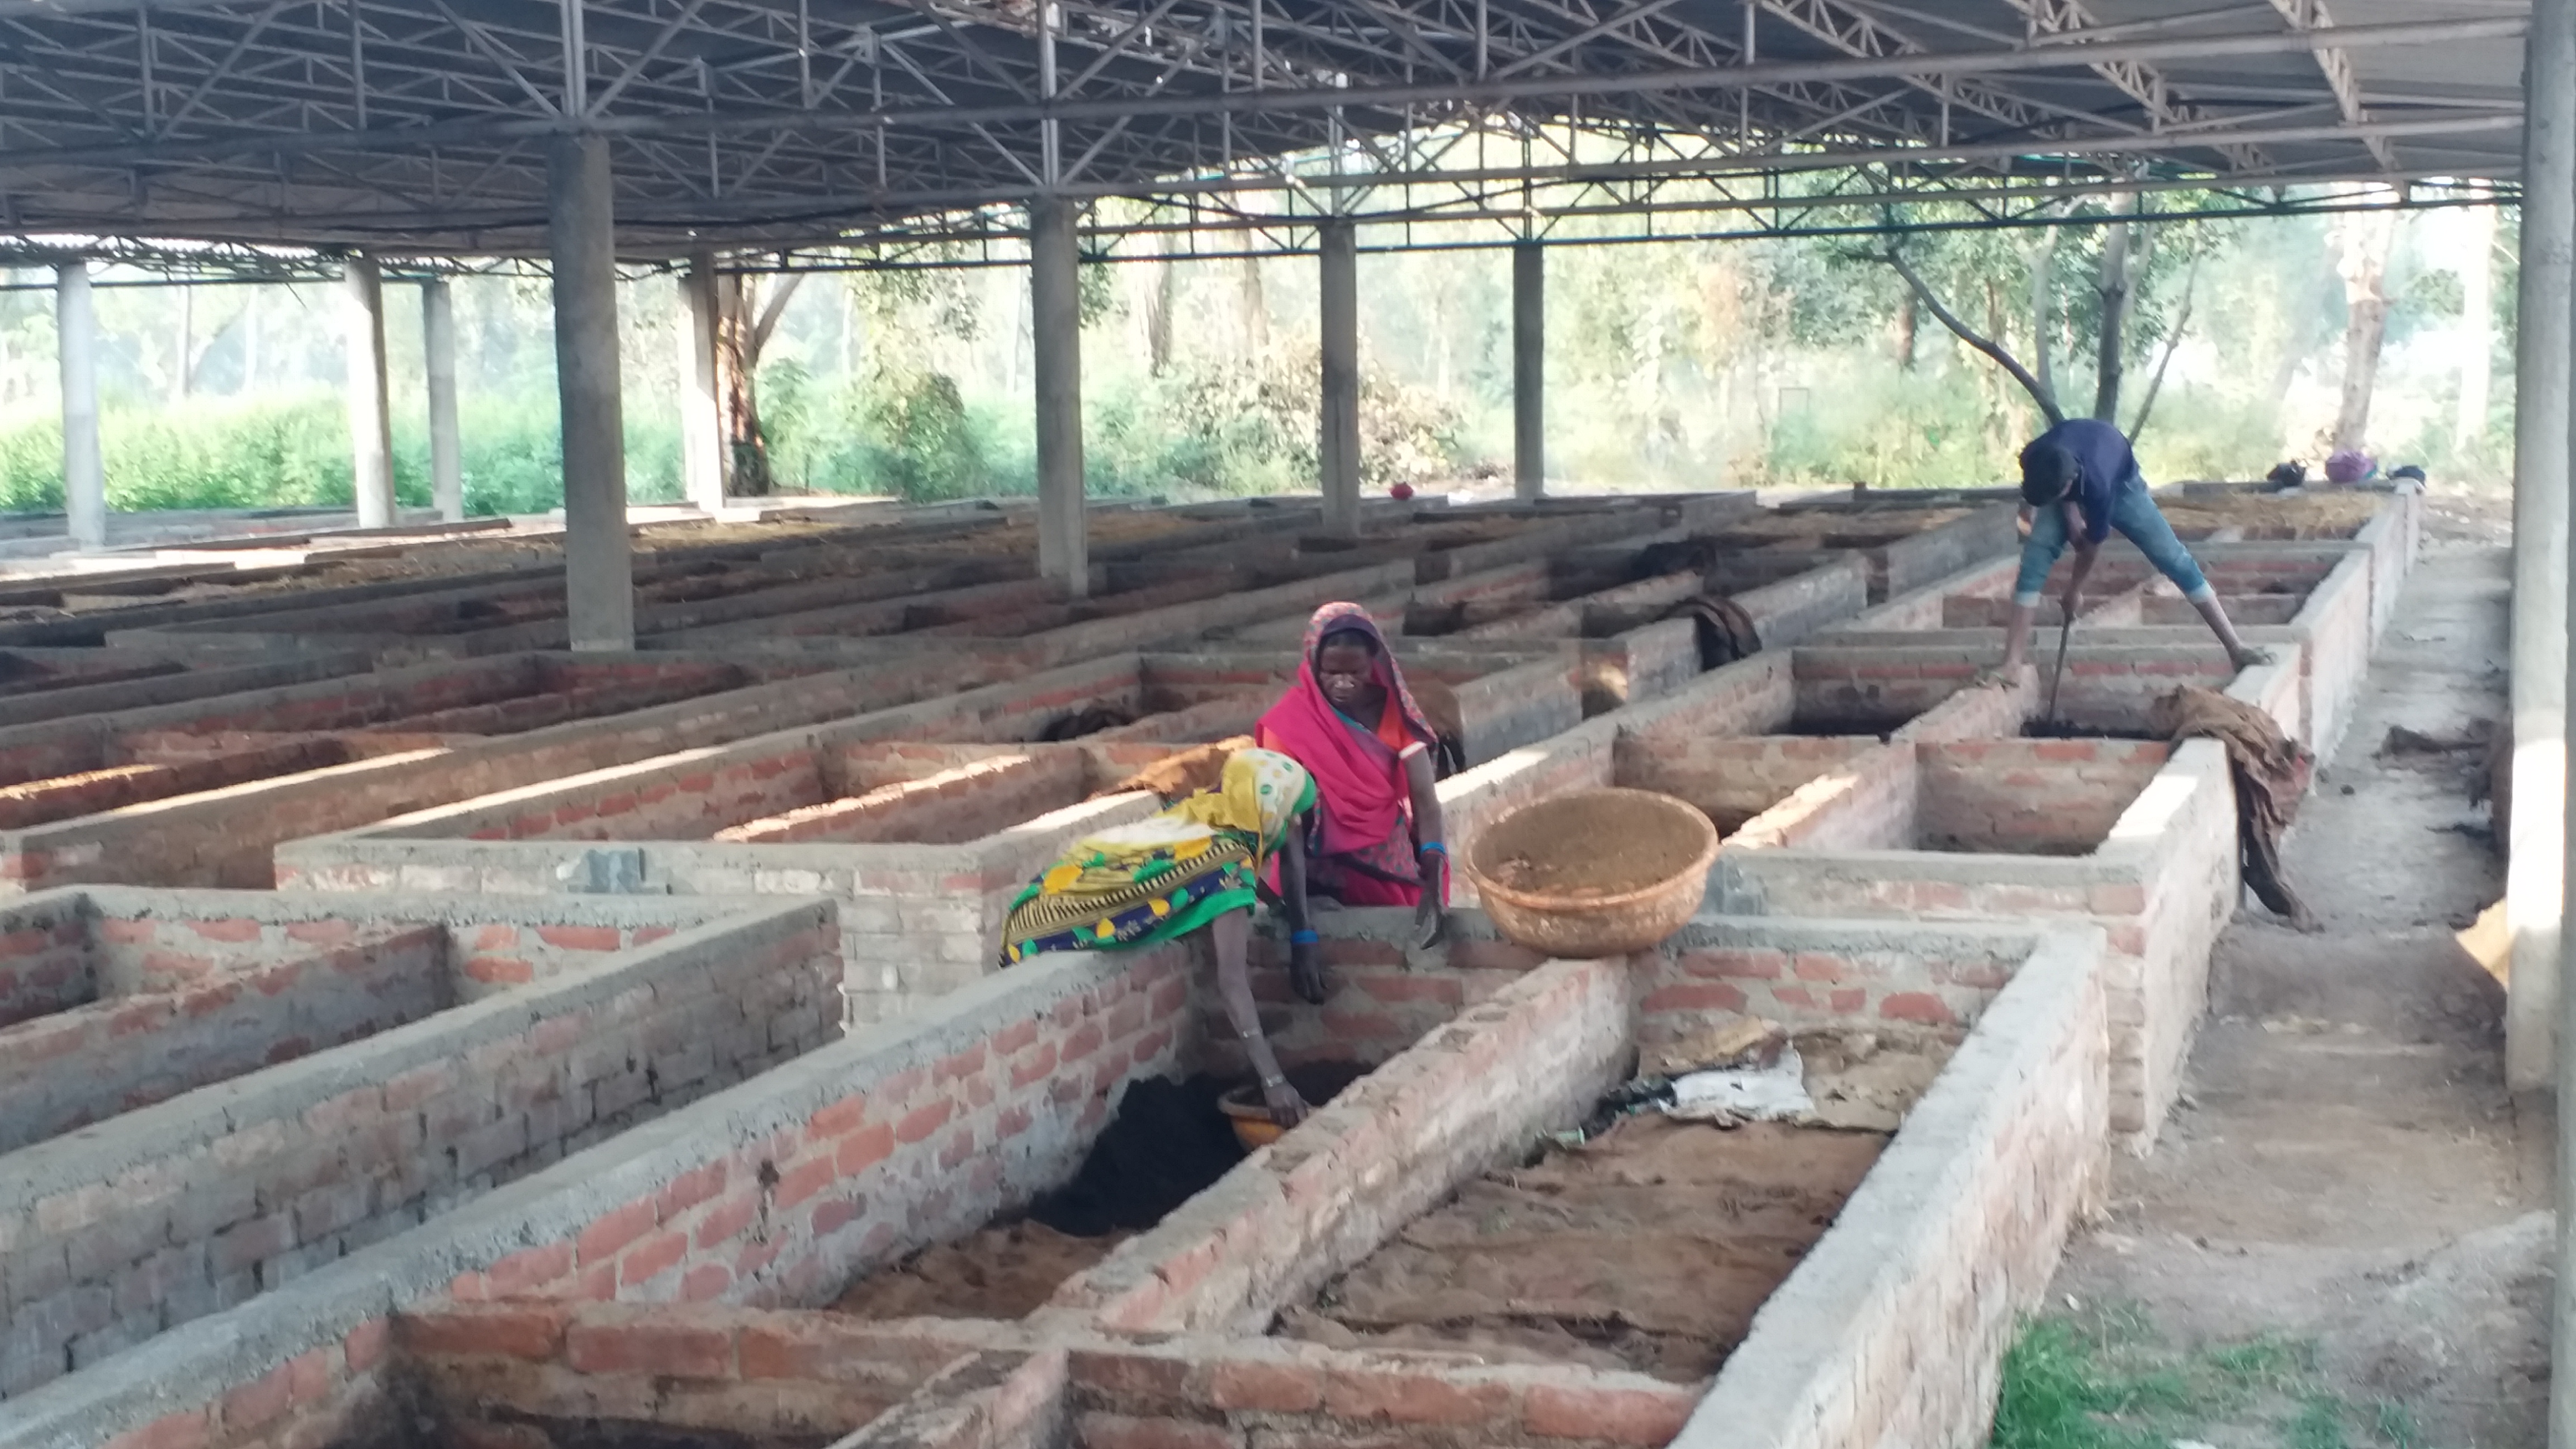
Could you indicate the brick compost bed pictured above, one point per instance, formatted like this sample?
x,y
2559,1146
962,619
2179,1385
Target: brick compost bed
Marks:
x,y
200,1203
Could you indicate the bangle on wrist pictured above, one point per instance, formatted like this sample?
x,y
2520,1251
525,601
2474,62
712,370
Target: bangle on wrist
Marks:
x,y
1431,847
1303,938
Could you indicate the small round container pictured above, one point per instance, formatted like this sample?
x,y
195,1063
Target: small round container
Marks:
x,y
1679,840
1250,1117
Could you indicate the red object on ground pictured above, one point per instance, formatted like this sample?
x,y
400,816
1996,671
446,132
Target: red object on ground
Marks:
x,y
1401,492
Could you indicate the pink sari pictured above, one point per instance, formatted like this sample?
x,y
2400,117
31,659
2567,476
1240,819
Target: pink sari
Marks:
x,y
1362,846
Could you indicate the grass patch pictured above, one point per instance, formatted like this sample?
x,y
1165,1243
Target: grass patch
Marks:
x,y
2105,1378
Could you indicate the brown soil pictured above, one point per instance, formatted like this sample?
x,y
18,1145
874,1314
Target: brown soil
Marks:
x,y
1003,1273
1648,1249
2318,514
1587,845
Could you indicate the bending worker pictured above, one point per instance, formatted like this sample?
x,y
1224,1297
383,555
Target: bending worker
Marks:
x,y
2080,481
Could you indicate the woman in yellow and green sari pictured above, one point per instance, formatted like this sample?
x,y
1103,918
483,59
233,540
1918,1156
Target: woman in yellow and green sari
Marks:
x,y
1197,864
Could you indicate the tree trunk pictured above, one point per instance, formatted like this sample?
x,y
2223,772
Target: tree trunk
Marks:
x,y
2043,320
2477,329
183,377
1158,312
2365,267
2173,340
2002,357
2114,287
1255,310
1906,323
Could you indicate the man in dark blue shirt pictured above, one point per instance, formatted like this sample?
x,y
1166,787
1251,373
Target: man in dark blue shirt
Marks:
x,y
2079,484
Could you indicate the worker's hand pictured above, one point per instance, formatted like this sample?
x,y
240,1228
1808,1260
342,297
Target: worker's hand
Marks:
x,y
2021,521
2072,601
1306,972
1430,922
1286,1107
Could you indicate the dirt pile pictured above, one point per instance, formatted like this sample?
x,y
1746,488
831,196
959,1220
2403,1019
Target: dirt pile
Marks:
x,y
1591,845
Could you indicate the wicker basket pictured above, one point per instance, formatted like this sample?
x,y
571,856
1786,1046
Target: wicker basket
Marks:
x,y
1594,926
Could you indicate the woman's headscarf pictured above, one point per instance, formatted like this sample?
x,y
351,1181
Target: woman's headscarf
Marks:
x,y
1361,794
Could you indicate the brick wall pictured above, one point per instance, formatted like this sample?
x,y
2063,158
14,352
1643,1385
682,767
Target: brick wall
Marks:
x,y
1866,803
1939,976
794,1185
1535,1055
1793,609
44,962
92,1062
191,1207
1893,1329
1382,998
1732,779
2029,797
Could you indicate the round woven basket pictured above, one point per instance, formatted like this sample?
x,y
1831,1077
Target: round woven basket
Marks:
x,y
1595,925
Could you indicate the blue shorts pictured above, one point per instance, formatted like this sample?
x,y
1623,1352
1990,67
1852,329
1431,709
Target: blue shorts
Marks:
x,y
2136,518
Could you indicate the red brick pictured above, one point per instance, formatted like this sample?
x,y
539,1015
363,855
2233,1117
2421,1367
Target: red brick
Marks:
x,y
652,1256
309,1375
690,1189
724,1221
1645,1417
187,1430
524,1330
962,1064
1409,1397
323,933
1847,1000
500,970
705,1283
1447,990
921,1121
804,1179
1036,1066
863,1150
1283,1388
613,1231
1117,1431
235,929
1699,996
667,1350
258,1402
1819,966
1015,1036
1917,1006
837,1118
364,1346
529,1269
580,938
789,1348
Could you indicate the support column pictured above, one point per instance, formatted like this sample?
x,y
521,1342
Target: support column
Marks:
x,y
438,346
371,439
1529,371
1055,328
2536,852
701,424
1337,452
84,475
598,571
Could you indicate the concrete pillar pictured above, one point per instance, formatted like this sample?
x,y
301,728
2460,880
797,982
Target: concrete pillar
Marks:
x,y
371,439
1337,452
598,572
701,424
1055,329
84,474
1529,371
438,346
2536,860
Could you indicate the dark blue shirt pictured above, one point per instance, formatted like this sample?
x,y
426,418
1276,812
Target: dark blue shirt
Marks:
x,y
2104,469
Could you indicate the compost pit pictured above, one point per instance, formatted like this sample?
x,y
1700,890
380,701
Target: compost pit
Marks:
x,y
1648,1248
1167,1144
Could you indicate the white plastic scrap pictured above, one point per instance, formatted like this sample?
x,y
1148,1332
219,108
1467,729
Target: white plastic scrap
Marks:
x,y
1745,1094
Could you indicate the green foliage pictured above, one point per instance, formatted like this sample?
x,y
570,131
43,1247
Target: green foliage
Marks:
x,y
2106,1379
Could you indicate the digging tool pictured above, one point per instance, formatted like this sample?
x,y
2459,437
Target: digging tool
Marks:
x,y
2065,631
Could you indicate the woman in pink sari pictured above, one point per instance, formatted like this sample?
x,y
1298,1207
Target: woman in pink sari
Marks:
x,y
1375,832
